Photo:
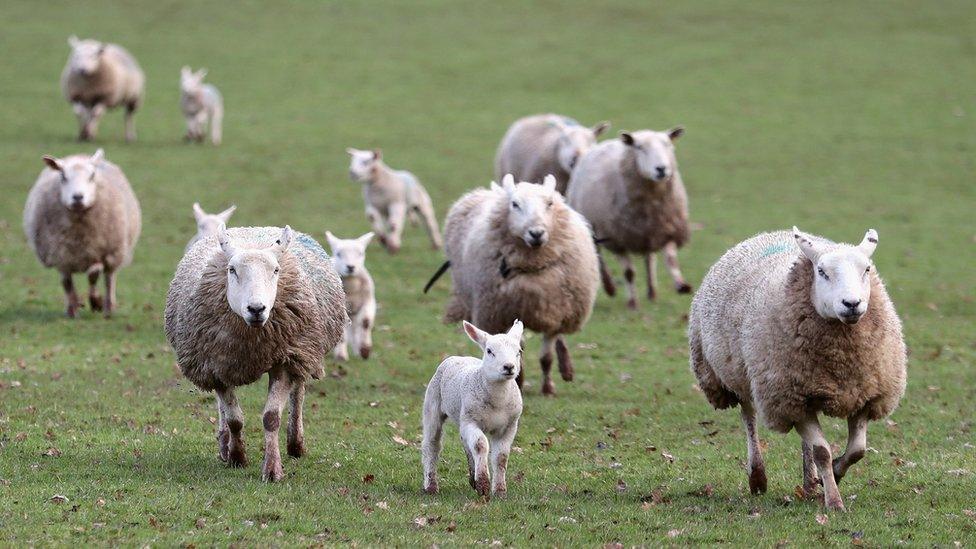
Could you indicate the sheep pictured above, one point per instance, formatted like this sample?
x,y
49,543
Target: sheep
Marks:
x,y
483,399
202,105
543,144
81,216
207,224
793,325
349,260
518,251
247,302
631,192
101,76
390,196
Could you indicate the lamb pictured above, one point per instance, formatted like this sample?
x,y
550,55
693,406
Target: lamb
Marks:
x,y
349,260
248,302
390,196
535,146
631,192
202,105
482,398
207,224
793,325
81,216
518,251
101,76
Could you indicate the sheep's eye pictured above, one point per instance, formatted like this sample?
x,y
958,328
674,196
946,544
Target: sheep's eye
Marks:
x,y
549,204
822,273
276,270
515,205
232,270
868,270
490,352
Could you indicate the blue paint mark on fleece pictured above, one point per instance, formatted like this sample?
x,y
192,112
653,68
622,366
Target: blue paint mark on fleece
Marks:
x,y
775,249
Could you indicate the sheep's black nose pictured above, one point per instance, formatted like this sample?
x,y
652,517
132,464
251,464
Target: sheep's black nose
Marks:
x,y
77,197
661,171
851,304
508,368
256,309
350,269
536,233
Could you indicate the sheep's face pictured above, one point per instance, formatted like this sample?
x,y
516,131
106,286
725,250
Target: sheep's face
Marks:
x,y
349,256
208,224
79,179
530,209
654,152
252,277
842,276
362,164
191,83
502,358
574,141
86,55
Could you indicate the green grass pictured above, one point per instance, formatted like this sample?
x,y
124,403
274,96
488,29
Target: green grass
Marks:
x,y
834,116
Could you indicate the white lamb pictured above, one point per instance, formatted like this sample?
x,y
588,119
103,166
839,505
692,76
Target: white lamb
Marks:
x,y
349,261
482,398
390,196
208,224
202,105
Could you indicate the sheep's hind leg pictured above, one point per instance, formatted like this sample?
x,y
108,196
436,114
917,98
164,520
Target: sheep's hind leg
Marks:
x,y
398,215
757,469
857,443
231,414
650,261
563,359
296,425
671,260
84,114
545,360
629,280
97,112
430,449
500,449
71,301
812,435
94,300
130,122
223,434
811,482
477,444
605,277
341,351
279,386
110,302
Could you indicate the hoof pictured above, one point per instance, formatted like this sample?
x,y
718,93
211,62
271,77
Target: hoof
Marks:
x,y
223,445
500,492
273,474
483,486
548,389
757,481
237,458
652,295
296,448
431,489
364,352
96,302
71,312
632,304
683,288
834,504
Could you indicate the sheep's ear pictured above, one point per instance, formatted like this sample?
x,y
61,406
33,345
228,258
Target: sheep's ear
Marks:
x,y
869,243
810,248
53,163
549,183
364,240
198,212
676,132
351,151
600,128
516,331
332,240
225,215
185,71
73,41
627,138
475,334
494,187
377,154
280,245
508,183
224,239
98,156
200,75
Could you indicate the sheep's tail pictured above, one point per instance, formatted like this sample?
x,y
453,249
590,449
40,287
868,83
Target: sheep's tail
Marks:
x,y
440,272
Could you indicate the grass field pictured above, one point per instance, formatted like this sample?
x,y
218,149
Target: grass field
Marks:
x,y
833,116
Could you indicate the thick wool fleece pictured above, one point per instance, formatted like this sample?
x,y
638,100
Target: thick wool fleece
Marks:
x,y
629,214
118,81
216,349
72,241
755,336
530,150
550,289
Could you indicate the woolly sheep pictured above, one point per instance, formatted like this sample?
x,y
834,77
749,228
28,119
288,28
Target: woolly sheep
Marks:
x,y
631,192
518,251
390,196
248,302
208,224
81,216
543,144
793,325
101,76
202,105
482,398
349,260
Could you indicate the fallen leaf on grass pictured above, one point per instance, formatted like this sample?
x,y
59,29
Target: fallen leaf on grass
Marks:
x,y
674,533
621,486
52,452
568,520
821,519
451,527
667,456
100,502
59,499
200,523
958,472
705,491
382,505
400,440
368,479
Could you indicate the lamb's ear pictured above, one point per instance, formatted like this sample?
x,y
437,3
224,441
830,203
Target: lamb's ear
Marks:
x,y
98,156
225,244
200,75
600,128
869,243
627,138
185,71
508,183
53,163
475,334
494,187
351,151
280,245
73,41
364,240
198,212
808,245
676,132
377,154
332,240
549,182
516,331
225,215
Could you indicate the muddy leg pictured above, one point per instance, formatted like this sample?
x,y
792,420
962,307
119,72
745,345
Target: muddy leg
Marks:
x,y
545,360
757,469
110,302
71,301
94,300
477,444
857,444
812,435
84,114
279,386
671,260
629,280
223,434
564,360
811,481
605,277
650,262
231,413
296,425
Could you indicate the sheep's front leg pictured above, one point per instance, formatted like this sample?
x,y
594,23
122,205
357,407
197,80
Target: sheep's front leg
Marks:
x,y
651,262
477,444
629,280
201,125
364,328
296,424
94,118
94,300
605,277
84,114
233,417
110,302
671,260
757,469
545,360
810,479
223,434
430,449
857,444
71,301
398,215
279,386
564,360
812,435
130,122
500,449
341,352
378,222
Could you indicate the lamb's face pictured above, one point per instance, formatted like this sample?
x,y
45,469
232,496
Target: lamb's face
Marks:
x,y
574,141
842,276
191,83
252,277
86,55
531,209
362,164
209,224
349,255
654,152
79,180
502,358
